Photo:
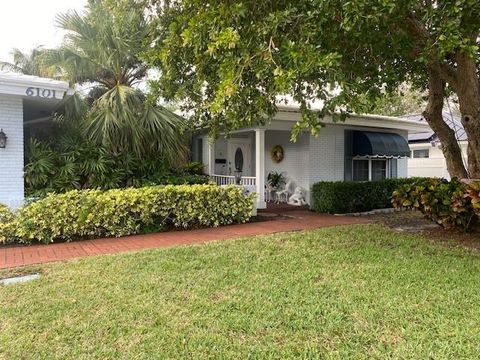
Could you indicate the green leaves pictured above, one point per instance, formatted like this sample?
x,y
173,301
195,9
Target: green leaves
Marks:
x,y
228,62
347,197
450,204
32,63
102,47
94,213
73,162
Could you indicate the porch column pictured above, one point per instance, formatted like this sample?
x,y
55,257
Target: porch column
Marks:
x,y
260,167
211,157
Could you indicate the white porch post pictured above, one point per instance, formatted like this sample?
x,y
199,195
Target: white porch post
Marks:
x,y
260,167
211,158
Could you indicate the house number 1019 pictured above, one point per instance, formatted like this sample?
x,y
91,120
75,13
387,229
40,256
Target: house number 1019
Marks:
x,y
38,92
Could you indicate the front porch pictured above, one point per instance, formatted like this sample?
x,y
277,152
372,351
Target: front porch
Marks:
x,y
240,156
246,154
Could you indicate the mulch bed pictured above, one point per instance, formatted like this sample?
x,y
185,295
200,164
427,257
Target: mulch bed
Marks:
x,y
414,221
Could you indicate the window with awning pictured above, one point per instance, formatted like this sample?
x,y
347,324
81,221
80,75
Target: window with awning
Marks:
x,y
379,144
373,155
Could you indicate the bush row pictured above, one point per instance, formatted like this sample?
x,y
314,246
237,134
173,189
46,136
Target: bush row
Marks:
x,y
449,203
72,162
341,197
95,213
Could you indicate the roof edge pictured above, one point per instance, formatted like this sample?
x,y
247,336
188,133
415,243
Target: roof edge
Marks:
x,y
8,78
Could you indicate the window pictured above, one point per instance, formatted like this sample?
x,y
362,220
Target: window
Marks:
x,y
421,153
379,169
360,170
365,169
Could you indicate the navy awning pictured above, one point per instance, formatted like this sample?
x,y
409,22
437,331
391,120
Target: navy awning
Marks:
x,y
367,143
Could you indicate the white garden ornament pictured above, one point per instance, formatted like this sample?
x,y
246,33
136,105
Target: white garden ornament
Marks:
x,y
298,197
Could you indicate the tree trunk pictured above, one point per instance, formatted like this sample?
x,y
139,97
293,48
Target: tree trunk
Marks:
x,y
434,116
468,92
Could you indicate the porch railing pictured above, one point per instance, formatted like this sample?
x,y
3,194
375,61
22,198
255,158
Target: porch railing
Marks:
x,y
230,180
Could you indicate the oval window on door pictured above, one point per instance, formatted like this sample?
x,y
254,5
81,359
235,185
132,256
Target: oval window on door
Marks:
x,y
239,159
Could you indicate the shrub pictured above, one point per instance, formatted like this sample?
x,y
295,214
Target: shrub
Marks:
x,y
70,163
95,213
473,194
343,197
6,221
179,179
448,203
194,168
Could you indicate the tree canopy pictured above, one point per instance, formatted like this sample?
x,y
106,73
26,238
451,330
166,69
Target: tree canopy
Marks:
x,y
399,102
228,61
101,50
28,63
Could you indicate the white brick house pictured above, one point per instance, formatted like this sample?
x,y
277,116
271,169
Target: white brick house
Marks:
x,y
23,99
338,153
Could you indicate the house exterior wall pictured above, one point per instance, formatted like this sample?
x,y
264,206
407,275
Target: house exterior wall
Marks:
x,y
433,166
11,158
204,155
221,153
296,158
327,153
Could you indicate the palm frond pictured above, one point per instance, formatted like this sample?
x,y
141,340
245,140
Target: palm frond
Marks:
x,y
6,66
102,47
28,63
72,108
165,132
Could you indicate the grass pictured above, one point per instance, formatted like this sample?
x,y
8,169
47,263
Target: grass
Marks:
x,y
337,293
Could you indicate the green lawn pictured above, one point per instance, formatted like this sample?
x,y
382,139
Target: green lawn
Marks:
x,y
337,293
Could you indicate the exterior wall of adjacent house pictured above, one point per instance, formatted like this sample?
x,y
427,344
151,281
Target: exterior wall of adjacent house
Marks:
x,y
433,166
402,168
11,157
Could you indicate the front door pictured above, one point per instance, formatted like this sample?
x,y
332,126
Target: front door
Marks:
x,y
239,156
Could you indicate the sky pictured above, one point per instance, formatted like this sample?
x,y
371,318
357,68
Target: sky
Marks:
x,y
25,24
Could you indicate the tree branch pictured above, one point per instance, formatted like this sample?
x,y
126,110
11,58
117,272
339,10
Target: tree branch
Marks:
x,y
424,38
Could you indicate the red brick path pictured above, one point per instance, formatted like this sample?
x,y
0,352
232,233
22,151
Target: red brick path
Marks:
x,y
13,256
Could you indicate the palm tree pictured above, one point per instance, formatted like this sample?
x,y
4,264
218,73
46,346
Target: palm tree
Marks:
x,y
102,48
27,63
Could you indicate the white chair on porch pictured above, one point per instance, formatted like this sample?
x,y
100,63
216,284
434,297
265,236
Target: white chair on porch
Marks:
x,y
269,192
285,193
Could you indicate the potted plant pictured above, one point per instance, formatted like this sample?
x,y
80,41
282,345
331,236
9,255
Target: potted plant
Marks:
x,y
275,179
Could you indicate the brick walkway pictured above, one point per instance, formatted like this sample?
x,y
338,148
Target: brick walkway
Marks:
x,y
14,256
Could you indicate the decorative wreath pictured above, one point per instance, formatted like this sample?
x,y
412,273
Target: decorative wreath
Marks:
x,y
277,153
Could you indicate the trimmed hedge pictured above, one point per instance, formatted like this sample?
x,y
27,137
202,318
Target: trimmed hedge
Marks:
x,y
167,179
449,203
95,213
340,197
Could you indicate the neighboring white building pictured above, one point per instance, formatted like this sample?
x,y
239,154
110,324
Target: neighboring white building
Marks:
x,y
426,158
362,148
24,100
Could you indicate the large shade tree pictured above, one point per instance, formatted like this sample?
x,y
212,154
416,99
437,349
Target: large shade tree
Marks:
x,y
100,53
228,61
